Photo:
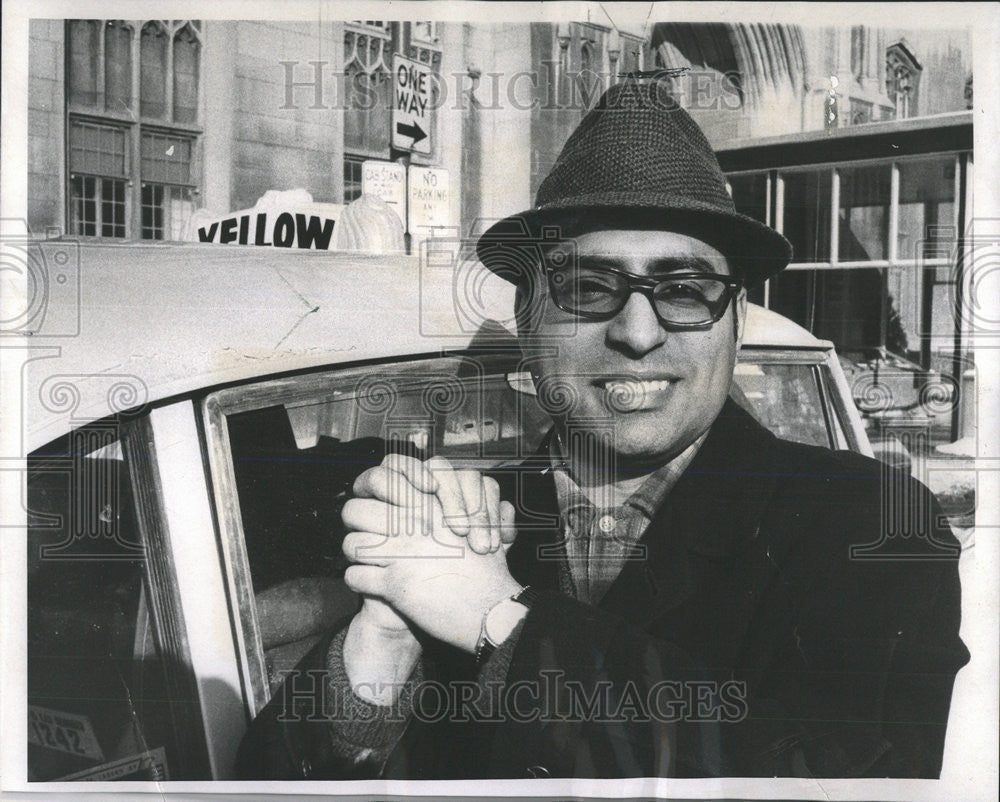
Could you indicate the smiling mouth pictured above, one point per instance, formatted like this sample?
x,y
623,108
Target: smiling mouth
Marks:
x,y
629,395
635,384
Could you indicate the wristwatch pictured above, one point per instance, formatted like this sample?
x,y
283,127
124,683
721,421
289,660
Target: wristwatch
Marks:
x,y
500,620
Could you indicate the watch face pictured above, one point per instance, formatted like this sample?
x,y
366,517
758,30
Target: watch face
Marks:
x,y
502,619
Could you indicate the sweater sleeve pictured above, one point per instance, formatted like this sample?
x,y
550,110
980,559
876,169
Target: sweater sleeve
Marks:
x,y
495,669
361,731
316,727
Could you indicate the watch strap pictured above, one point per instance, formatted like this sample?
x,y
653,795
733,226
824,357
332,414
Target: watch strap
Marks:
x,y
526,596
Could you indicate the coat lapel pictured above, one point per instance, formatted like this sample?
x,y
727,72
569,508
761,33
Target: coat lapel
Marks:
x,y
536,555
711,515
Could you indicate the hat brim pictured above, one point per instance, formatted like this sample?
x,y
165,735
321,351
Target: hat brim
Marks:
x,y
757,250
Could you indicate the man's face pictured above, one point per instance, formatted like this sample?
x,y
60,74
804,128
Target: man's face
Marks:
x,y
658,388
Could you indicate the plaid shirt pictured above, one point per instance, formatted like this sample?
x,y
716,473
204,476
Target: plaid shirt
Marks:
x,y
600,537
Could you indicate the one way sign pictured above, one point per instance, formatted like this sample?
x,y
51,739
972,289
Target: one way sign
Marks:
x,y
411,105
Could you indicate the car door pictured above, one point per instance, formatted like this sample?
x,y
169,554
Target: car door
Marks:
x,y
113,690
184,559
283,457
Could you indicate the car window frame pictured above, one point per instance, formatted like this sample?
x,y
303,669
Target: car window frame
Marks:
x,y
161,607
215,409
302,387
831,385
177,480
163,601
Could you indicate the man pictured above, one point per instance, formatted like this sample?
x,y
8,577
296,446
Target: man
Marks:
x,y
666,589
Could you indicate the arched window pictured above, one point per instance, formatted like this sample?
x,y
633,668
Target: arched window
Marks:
x,y
589,84
902,79
84,50
133,155
117,66
899,82
153,74
367,92
859,42
186,52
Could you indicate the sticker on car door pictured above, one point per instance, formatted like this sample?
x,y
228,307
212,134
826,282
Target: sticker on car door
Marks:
x,y
63,732
150,765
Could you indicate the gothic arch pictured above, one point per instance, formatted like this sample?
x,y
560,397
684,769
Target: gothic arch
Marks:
x,y
764,61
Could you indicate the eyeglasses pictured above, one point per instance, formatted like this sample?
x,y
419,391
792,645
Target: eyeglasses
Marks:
x,y
684,300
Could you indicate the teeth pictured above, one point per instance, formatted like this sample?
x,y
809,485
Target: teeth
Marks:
x,y
636,387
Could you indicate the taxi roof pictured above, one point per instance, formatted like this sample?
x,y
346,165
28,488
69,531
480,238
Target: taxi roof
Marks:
x,y
138,323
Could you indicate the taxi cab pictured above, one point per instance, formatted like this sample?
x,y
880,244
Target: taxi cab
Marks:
x,y
191,445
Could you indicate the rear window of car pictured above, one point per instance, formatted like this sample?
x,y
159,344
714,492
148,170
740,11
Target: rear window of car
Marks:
x,y
788,400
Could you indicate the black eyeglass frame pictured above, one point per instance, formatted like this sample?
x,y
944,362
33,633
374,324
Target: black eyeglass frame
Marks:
x,y
646,285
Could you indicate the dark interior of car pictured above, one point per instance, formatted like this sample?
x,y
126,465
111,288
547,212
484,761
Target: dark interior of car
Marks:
x,y
290,502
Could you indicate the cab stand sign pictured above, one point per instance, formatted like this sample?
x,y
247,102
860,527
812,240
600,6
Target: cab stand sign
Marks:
x,y
411,105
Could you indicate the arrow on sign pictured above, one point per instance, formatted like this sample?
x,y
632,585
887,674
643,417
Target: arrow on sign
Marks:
x,y
415,132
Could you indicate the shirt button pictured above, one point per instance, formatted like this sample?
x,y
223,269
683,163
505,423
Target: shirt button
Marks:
x,y
606,524
538,772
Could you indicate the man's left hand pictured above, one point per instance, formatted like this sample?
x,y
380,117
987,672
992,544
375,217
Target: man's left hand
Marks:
x,y
471,501
409,556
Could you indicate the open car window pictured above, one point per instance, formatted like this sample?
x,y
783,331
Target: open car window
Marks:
x,y
285,455
289,451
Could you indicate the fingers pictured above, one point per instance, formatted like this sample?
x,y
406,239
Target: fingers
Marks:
x,y
383,484
417,472
364,548
476,511
491,502
470,502
366,579
450,495
371,515
481,501
395,480
508,533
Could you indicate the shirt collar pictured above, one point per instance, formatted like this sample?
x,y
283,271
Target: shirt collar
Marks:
x,y
647,498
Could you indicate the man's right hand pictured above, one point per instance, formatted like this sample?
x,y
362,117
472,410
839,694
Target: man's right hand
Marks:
x,y
470,501
380,652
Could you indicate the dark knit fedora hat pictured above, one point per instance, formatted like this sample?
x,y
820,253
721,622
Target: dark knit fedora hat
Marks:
x,y
638,160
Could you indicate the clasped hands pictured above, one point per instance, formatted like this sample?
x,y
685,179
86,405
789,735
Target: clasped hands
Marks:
x,y
429,546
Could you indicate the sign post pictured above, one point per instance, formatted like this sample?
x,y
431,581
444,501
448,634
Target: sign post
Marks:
x,y
411,105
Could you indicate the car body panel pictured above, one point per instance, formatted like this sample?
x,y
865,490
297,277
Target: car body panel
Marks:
x,y
210,640
160,321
